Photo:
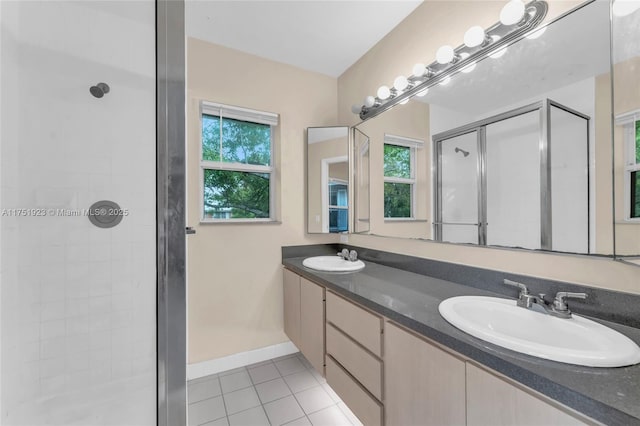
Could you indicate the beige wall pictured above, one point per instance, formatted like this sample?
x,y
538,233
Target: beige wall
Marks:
x,y
416,39
603,178
626,99
234,271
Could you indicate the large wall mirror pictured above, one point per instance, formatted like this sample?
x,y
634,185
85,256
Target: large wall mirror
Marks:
x,y
515,153
626,72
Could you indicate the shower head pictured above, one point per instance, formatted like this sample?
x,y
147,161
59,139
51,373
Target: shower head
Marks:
x,y
465,153
99,90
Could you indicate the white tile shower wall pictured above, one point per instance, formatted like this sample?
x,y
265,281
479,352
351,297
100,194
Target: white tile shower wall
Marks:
x,y
78,302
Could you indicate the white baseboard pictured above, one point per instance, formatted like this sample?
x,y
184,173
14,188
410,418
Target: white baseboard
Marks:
x,y
242,359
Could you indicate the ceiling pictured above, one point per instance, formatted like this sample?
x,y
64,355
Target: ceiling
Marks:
x,y
323,36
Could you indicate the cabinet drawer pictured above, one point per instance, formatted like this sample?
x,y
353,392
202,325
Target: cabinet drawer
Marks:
x,y
368,410
362,326
360,363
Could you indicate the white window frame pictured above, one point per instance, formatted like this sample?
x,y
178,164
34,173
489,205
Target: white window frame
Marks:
x,y
628,123
249,115
414,145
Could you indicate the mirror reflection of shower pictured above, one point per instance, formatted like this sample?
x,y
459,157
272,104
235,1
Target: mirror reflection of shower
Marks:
x,y
465,153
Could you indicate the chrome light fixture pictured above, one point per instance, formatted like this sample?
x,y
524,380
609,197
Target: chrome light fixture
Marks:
x,y
516,19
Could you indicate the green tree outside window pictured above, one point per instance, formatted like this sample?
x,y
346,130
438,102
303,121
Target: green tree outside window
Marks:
x,y
397,192
231,194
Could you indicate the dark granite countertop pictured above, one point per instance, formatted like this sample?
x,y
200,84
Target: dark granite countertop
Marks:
x,y
609,395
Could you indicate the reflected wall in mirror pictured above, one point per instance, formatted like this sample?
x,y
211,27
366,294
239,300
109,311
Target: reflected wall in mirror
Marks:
x,y
626,83
400,171
327,179
362,182
504,185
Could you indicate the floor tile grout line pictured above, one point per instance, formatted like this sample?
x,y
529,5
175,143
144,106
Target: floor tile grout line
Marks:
x,y
206,399
253,385
250,408
265,414
224,404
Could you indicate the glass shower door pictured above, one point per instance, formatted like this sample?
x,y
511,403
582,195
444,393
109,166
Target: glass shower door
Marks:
x,y
513,181
78,301
458,189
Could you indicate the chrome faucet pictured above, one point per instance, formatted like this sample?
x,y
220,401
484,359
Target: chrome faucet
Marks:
x,y
557,308
348,255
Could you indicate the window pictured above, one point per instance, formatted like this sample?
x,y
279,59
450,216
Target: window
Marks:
x,y
399,176
237,164
632,170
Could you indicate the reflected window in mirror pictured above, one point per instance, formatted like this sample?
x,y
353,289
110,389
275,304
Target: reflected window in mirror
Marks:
x,y
399,177
630,139
237,164
338,206
633,172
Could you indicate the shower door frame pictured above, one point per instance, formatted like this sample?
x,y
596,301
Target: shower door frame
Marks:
x,y
170,214
544,109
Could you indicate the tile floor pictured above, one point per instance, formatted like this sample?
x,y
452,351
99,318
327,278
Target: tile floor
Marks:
x,y
282,391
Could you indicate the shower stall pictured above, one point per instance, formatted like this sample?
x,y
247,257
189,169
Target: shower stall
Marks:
x,y
518,179
83,282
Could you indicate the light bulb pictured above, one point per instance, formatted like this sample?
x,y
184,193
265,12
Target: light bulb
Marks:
x,y
625,7
384,92
400,83
369,101
419,70
422,92
534,35
512,12
445,54
474,36
356,109
469,68
404,101
499,53
445,81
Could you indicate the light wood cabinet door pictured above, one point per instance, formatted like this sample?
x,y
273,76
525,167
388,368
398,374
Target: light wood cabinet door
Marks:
x,y
312,323
492,401
291,288
423,385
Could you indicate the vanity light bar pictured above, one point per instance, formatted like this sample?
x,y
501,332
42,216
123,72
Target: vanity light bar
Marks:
x,y
450,61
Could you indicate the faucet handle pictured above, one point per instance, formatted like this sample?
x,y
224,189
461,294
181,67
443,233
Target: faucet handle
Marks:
x,y
523,288
560,301
353,255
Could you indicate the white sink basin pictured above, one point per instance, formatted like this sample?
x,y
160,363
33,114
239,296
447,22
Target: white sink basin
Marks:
x,y
576,340
332,264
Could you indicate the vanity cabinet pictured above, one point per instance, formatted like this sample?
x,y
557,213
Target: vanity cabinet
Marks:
x,y
304,317
291,290
493,401
389,375
354,358
423,385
